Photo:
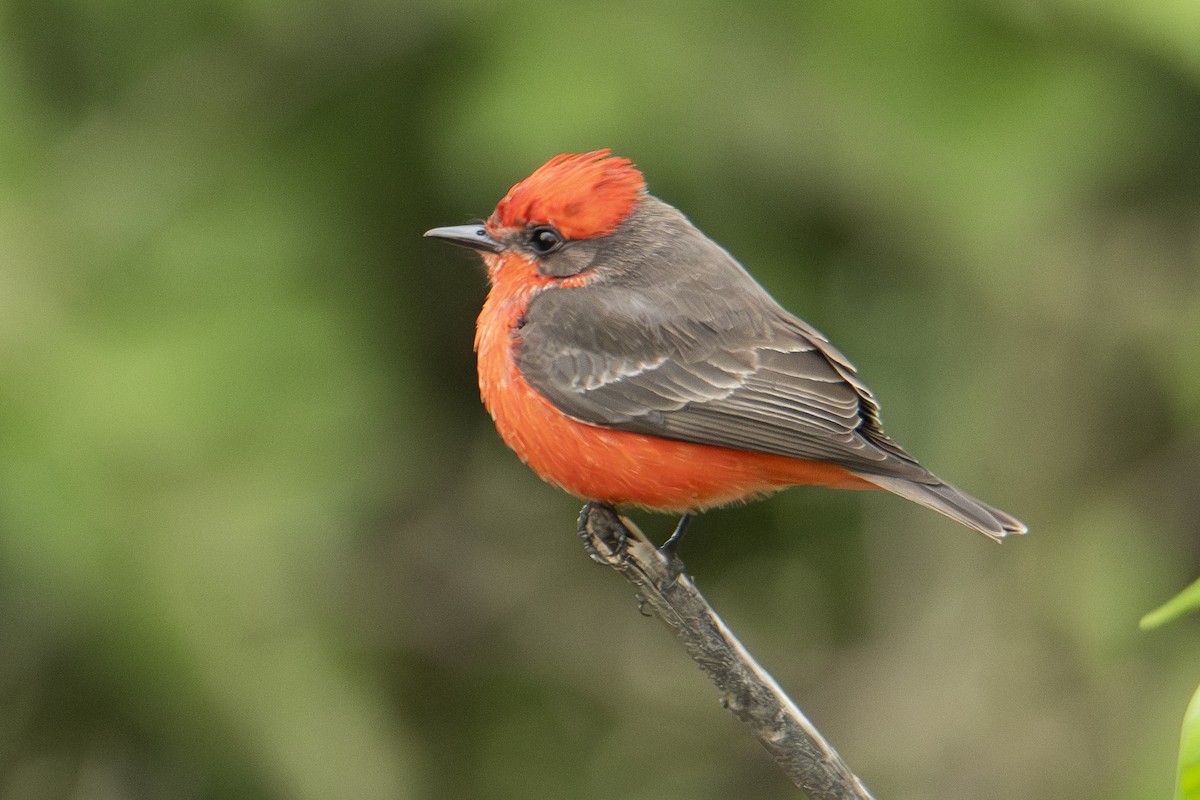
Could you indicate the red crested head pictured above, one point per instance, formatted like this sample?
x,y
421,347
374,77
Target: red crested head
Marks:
x,y
583,195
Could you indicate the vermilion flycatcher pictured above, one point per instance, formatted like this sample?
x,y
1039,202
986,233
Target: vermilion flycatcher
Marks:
x,y
627,358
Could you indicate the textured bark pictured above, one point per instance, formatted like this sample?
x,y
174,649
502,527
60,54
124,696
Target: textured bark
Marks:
x,y
746,689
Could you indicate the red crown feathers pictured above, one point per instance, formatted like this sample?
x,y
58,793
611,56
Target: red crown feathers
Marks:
x,y
583,195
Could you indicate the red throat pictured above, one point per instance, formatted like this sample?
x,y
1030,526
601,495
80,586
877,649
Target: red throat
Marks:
x,y
583,195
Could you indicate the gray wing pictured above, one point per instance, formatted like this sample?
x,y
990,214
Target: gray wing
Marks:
x,y
705,367
672,338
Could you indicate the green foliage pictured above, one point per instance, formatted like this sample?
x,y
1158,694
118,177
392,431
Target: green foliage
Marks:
x,y
1189,752
1177,606
258,539
1188,787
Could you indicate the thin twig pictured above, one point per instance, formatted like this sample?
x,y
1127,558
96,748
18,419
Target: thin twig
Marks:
x,y
746,689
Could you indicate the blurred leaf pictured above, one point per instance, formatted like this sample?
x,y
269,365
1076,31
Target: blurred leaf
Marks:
x,y
1189,752
1189,742
1180,604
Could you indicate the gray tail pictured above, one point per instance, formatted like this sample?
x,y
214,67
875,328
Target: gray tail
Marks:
x,y
957,505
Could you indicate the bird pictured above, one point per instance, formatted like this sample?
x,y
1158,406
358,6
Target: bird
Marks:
x,y
632,361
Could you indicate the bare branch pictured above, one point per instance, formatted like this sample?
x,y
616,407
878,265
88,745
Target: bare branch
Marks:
x,y
746,689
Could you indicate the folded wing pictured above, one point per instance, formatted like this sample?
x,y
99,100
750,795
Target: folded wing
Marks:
x,y
711,369
744,378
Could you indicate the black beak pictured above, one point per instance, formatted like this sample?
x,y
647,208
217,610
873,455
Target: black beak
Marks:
x,y
473,236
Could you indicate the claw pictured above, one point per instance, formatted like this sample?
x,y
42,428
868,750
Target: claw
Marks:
x,y
585,533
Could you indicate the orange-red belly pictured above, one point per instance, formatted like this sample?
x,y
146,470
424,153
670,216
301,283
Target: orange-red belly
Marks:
x,y
596,463
617,467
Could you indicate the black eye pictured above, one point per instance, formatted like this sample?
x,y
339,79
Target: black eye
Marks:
x,y
545,240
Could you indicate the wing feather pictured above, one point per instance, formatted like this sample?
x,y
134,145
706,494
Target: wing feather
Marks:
x,y
671,337
764,382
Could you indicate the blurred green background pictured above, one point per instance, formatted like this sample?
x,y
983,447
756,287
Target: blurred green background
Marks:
x,y
258,539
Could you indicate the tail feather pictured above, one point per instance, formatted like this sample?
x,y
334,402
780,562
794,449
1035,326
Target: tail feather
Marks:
x,y
955,504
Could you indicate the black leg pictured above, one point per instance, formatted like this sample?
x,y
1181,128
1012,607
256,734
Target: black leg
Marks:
x,y
670,547
672,544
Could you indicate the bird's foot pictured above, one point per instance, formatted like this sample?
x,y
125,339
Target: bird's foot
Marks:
x,y
609,531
